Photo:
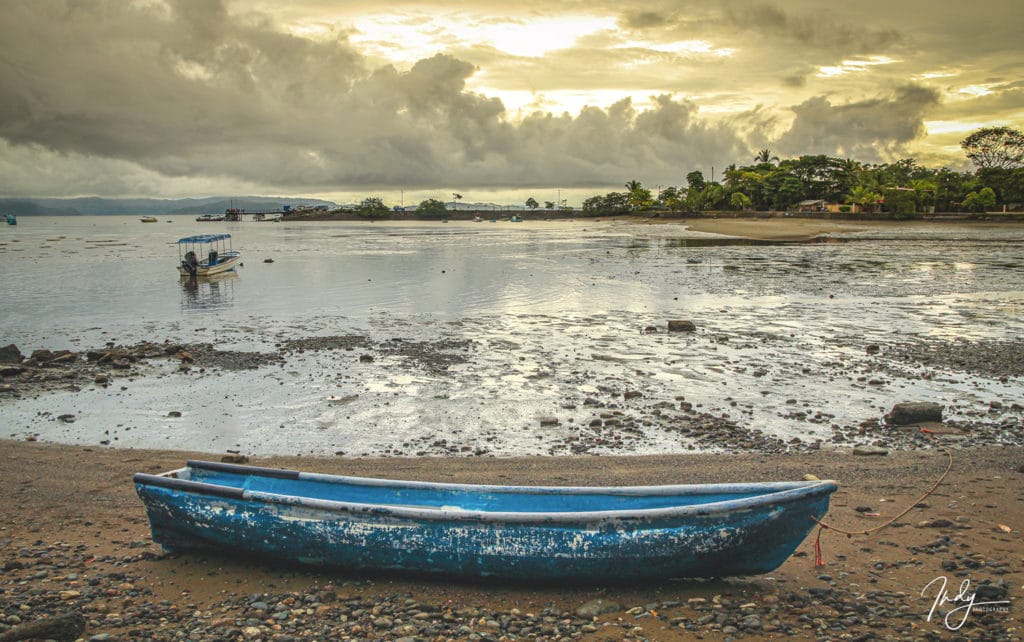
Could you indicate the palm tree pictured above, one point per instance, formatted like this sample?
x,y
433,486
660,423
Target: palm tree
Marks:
x,y
765,156
863,196
457,197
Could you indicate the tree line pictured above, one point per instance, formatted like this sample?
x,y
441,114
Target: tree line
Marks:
x,y
902,188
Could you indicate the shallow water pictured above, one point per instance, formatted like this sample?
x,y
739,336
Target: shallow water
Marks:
x,y
554,311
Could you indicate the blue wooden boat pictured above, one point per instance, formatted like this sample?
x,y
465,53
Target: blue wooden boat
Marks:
x,y
588,534
12,219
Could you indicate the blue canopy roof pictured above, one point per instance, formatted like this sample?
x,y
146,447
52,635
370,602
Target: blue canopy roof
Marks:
x,y
204,238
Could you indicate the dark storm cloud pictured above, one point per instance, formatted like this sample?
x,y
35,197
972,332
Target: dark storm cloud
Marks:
x,y
643,19
869,130
188,89
812,28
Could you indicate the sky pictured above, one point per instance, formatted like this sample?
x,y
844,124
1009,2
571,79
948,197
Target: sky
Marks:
x,y
497,101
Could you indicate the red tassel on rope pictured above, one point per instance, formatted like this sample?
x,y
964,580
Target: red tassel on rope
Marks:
x,y
818,560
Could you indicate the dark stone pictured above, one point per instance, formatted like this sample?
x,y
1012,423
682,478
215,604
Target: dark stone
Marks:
x,y
63,627
872,348
11,371
870,450
903,414
600,606
681,326
10,354
365,358
991,592
41,355
235,459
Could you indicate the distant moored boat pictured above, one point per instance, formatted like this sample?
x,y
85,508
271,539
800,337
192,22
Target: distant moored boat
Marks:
x,y
206,255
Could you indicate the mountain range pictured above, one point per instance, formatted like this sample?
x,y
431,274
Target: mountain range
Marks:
x,y
93,206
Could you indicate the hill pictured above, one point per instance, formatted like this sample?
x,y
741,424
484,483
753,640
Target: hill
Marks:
x,y
94,206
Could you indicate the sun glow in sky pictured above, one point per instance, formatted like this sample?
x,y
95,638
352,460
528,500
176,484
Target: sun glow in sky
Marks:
x,y
325,97
405,39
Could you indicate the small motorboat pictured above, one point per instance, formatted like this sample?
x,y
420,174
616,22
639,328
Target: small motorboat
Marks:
x,y
536,533
148,219
12,219
515,219
206,255
209,218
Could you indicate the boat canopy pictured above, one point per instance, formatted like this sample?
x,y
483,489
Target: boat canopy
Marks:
x,y
204,238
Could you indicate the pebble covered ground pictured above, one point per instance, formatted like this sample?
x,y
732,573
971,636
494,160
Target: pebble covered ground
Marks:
x,y
76,542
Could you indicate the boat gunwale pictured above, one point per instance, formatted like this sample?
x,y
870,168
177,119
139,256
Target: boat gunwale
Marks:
x,y
778,493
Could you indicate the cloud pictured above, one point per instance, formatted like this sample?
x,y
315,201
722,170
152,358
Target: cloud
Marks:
x,y
296,97
193,91
872,130
817,29
643,19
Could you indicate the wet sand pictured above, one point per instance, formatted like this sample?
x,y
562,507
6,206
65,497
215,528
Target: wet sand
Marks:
x,y
802,229
776,229
75,538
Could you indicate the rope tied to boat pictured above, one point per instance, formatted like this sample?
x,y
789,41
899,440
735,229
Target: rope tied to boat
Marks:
x,y
822,525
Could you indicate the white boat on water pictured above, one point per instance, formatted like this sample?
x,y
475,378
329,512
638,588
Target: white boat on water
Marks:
x,y
208,218
206,255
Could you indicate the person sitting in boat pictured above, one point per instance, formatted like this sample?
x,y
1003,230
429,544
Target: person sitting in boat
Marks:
x,y
212,258
191,262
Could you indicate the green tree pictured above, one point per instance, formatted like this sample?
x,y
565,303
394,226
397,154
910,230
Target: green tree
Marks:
x,y
740,201
695,181
864,197
924,192
549,205
670,198
432,208
980,201
1008,184
765,156
372,208
532,203
609,204
995,147
900,202
457,197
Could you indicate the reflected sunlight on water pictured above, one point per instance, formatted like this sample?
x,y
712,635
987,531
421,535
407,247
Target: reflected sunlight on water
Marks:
x,y
551,308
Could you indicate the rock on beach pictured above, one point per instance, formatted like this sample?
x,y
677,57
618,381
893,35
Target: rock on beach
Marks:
x,y
904,414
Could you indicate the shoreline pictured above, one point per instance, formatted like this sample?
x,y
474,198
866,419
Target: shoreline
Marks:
x,y
800,227
77,539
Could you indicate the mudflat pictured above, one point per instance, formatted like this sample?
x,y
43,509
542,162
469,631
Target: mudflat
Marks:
x,y
800,229
75,539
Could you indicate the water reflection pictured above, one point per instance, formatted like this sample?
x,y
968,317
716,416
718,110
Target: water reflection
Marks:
x,y
208,293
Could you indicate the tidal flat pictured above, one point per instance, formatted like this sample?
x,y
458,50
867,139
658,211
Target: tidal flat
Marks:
x,y
491,339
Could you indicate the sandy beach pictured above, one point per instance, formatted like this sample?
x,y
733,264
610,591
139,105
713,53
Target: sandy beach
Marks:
x,y
75,538
803,229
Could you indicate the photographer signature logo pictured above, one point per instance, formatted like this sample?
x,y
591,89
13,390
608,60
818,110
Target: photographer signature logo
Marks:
x,y
964,601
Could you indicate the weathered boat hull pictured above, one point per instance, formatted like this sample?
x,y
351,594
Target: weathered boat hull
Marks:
x,y
747,533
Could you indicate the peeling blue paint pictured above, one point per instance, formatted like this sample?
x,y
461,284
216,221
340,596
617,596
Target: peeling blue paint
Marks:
x,y
597,534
